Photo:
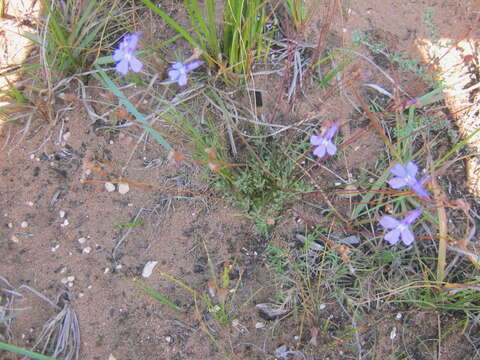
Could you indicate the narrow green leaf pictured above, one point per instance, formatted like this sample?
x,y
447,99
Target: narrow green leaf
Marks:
x,y
170,22
157,296
21,351
132,109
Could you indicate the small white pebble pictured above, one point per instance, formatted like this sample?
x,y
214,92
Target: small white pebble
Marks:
x,y
130,204
55,248
64,280
38,159
296,337
399,316
87,250
123,188
109,187
66,136
111,142
65,223
63,270
259,325
30,203
82,240
15,239
148,268
106,271
393,333
168,339
70,278
24,224
32,156
118,267
80,295
322,307
62,214
89,286
10,225
70,284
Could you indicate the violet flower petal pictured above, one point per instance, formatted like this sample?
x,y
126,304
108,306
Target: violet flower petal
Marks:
x,y
332,130
316,140
397,183
122,66
393,236
399,170
412,216
389,222
407,236
193,65
331,148
320,151
412,169
136,64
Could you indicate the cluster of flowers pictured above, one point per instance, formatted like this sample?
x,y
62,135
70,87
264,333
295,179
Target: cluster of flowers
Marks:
x,y
404,176
126,60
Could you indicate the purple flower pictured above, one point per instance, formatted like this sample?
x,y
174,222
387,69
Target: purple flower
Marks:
x,y
178,72
406,176
400,229
125,54
324,143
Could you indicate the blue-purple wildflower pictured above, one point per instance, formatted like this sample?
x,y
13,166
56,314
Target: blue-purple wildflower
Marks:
x,y
124,55
400,229
406,176
178,72
324,144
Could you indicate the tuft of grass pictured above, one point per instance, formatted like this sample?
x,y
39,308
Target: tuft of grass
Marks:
x,y
242,25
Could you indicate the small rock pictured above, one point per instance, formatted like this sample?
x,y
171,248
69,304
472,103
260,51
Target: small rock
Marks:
x,y
168,339
87,250
82,240
80,295
15,239
271,311
148,268
66,136
30,203
10,225
24,224
111,357
65,223
109,187
106,271
55,248
259,325
71,278
62,214
123,188
32,156
322,307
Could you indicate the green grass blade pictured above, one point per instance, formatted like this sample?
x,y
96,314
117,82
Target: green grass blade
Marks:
x,y
132,109
455,149
170,22
20,351
157,296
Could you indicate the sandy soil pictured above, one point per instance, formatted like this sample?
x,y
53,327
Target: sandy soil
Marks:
x,y
53,226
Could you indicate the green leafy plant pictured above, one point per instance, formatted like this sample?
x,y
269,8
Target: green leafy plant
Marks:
x,y
73,34
242,25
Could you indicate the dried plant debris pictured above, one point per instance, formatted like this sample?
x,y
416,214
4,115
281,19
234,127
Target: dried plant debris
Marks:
x,y
60,335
